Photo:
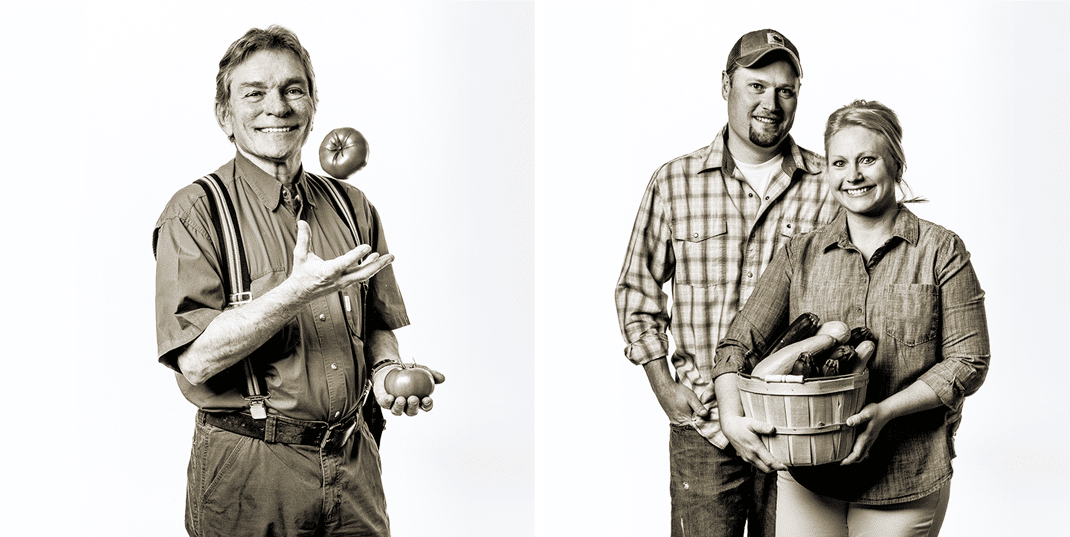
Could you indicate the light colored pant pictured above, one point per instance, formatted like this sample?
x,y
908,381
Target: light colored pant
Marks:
x,y
801,513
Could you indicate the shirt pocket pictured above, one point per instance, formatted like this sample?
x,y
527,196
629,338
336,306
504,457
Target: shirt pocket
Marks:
x,y
701,248
912,314
353,299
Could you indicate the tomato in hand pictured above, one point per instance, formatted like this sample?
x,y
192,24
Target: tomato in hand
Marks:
x,y
409,380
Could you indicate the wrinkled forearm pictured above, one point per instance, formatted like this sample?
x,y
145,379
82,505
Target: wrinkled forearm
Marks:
x,y
382,345
237,332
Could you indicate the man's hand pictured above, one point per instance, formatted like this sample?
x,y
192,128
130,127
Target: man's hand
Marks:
x,y
680,404
400,405
314,277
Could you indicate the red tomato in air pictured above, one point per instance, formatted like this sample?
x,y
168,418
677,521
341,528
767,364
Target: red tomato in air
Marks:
x,y
409,380
343,152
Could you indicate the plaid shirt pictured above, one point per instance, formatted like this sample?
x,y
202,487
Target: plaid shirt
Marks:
x,y
920,297
701,225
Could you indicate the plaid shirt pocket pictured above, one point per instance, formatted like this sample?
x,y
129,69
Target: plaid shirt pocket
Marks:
x,y
701,248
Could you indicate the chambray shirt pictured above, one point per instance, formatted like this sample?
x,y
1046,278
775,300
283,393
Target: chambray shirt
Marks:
x,y
701,225
920,297
315,368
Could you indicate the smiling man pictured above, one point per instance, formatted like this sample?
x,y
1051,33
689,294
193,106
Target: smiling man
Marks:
x,y
710,221
280,371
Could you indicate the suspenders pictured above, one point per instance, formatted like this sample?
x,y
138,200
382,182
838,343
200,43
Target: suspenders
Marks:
x,y
236,268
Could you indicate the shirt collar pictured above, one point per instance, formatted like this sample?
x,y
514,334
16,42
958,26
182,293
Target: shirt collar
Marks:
x,y
718,157
267,189
835,233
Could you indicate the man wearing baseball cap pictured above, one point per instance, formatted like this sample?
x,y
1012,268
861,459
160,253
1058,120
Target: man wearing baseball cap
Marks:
x,y
710,221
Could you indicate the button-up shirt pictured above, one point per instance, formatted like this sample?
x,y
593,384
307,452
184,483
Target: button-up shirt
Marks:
x,y
315,367
920,298
702,226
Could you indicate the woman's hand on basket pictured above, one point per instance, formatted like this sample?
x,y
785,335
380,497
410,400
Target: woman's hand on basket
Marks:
x,y
744,434
874,417
915,398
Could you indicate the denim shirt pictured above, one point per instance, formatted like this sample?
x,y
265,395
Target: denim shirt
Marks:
x,y
920,298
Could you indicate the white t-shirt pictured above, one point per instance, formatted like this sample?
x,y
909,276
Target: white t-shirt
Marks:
x,y
760,176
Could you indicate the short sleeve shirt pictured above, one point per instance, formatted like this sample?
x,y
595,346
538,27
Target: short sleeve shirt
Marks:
x,y
315,367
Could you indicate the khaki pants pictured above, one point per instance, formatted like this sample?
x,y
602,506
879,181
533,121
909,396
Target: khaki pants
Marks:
x,y
801,513
239,486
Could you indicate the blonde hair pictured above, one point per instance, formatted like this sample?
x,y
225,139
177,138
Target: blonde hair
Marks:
x,y
876,117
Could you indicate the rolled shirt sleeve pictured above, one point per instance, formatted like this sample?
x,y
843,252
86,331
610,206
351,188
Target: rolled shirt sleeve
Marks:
x,y
964,329
642,303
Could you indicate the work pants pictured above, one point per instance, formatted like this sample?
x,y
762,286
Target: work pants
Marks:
x,y
239,486
714,492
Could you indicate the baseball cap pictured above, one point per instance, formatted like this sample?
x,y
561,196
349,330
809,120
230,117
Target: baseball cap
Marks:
x,y
754,45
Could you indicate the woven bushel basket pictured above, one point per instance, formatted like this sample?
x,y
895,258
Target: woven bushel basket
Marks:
x,y
810,416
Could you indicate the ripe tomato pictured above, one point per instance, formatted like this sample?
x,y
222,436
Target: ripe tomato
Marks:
x,y
343,152
409,380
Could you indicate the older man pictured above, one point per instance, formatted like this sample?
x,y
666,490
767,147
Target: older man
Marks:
x,y
710,221
279,374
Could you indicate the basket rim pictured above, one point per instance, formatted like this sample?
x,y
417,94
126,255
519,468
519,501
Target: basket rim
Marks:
x,y
818,386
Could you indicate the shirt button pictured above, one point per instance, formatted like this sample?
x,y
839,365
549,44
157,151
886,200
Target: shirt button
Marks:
x,y
695,235
750,274
323,317
751,195
334,366
859,310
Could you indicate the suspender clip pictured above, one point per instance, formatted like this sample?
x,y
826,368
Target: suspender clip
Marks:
x,y
257,407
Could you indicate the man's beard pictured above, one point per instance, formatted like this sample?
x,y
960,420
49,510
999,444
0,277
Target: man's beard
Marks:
x,y
766,140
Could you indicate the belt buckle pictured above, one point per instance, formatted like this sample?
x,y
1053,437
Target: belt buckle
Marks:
x,y
336,437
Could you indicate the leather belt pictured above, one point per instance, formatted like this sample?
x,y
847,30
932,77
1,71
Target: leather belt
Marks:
x,y
281,430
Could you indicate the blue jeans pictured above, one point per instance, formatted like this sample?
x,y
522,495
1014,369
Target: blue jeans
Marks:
x,y
714,492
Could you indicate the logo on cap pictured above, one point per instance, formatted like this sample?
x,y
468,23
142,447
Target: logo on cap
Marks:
x,y
775,39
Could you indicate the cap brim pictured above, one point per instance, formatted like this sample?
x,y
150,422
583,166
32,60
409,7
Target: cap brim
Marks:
x,y
751,59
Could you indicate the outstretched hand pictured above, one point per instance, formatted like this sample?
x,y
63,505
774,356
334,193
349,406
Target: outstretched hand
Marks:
x,y
315,277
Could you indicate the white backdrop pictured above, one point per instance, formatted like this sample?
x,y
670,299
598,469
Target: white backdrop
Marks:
x,y
507,273
113,113
981,91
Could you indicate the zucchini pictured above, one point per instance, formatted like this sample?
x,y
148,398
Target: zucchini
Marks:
x,y
782,361
801,328
858,335
836,329
864,351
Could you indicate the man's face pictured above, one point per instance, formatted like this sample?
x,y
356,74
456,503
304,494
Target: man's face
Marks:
x,y
761,103
270,109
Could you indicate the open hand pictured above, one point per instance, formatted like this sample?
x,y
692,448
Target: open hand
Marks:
x,y
315,277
